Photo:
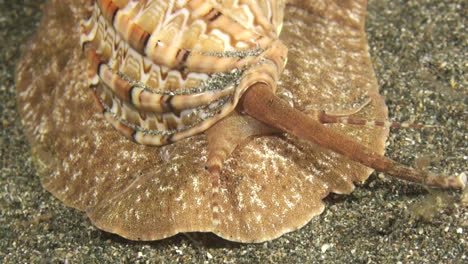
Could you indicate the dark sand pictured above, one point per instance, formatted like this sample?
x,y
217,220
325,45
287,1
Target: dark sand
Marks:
x,y
419,50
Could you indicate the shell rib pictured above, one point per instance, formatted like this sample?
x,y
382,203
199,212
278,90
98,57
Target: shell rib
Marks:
x,y
166,70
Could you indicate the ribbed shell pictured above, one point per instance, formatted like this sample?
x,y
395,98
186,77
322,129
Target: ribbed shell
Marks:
x,y
166,70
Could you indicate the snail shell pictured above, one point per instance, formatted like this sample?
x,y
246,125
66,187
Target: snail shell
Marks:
x,y
166,70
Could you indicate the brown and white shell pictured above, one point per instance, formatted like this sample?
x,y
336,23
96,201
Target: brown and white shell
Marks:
x,y
269,186
166,70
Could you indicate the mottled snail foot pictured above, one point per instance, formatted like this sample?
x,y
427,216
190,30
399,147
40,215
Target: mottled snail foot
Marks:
x,y
223,138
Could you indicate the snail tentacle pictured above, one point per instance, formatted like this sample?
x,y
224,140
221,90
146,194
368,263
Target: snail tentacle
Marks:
x,y
259,102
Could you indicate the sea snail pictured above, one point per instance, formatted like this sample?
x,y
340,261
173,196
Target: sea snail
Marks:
x,y
162,72
158,81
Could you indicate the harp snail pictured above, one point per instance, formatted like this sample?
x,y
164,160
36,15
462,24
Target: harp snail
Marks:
x,y
166,70
162,71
